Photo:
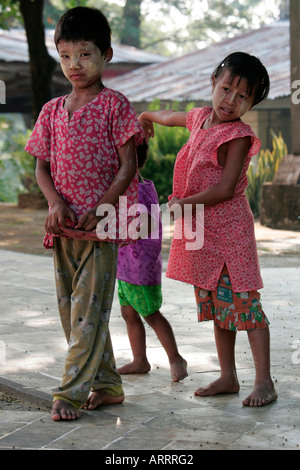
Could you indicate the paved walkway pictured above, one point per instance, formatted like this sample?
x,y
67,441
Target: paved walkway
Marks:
x,y
157,414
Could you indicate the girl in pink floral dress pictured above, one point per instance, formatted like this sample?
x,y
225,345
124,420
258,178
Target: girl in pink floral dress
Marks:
x,y
210,170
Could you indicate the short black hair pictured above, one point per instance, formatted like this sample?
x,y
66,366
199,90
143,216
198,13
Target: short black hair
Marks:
x,y
142,154
84,24
249,67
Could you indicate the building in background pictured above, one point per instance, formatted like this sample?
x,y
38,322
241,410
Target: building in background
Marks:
x,y
186,79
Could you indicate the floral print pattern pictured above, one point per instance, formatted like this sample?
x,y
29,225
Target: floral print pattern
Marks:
x,y
83,150
230,310
228,226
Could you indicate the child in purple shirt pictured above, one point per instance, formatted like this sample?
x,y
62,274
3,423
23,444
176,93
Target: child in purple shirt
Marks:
x,y
139,288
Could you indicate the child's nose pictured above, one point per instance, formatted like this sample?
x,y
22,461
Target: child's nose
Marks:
x,y
75,63
232,97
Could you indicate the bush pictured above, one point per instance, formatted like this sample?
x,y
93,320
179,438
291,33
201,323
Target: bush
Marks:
x,y
262,170
17,166
162,154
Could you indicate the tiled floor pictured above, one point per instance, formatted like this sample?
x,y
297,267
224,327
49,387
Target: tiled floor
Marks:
x,y
157,414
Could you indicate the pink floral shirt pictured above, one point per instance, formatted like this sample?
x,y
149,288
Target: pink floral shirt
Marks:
x,y
83,150
228,226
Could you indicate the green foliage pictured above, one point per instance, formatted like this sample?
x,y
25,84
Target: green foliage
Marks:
x,y
162,154
17,167
263,170
54,9
10,16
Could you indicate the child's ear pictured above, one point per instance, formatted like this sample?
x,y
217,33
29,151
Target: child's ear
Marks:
x,y
108,55
213,82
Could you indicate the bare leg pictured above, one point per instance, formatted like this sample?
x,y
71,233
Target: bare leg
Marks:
x,y
63,410
227,382
263,392
166,337
137,339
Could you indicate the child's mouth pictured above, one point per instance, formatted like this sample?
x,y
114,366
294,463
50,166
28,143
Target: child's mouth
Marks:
x,y
76,76
226,111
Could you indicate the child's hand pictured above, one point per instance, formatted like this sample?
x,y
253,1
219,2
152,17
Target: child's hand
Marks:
x,y
88,221
147,125
173,200
174,207
59,214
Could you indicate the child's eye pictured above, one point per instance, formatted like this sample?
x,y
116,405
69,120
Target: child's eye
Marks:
x,y
243,97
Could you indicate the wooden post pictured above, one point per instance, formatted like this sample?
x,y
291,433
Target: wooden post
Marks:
x,y
295,74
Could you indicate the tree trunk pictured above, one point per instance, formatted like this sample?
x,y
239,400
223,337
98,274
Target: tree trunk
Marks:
x,y
42,65
131,23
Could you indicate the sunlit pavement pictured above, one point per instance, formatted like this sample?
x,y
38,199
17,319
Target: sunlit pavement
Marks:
x,y
157,414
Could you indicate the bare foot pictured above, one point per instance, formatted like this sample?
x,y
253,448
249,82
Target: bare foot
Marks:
x,y
218,387
261,395
62,410
135,367
179,369
100,397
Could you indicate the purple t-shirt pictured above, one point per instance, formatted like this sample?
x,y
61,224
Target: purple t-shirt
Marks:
x,y
141,262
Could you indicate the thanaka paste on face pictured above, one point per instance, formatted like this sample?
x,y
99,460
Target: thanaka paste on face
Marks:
x,y
245,105
74,50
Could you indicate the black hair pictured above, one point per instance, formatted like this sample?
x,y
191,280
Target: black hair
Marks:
x,y
84,24
249,67
142,154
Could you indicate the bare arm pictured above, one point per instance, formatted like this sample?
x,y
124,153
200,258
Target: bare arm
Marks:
x,y
60,211
125,175
167,118
237,150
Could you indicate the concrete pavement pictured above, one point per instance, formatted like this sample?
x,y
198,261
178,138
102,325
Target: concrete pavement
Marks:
x,y
157,415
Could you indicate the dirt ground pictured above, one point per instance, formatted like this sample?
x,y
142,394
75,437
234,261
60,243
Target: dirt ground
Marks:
x,y
8,403
22,230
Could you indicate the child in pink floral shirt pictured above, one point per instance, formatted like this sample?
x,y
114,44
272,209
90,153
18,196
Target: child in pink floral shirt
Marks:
x,y
210,170
85,149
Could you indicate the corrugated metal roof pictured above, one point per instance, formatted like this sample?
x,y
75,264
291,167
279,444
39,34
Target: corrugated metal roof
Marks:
x,y
13,48
187,78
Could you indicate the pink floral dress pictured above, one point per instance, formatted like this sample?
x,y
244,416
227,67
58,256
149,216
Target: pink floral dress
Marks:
x,y
228,226
83,150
